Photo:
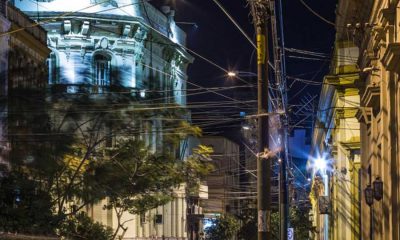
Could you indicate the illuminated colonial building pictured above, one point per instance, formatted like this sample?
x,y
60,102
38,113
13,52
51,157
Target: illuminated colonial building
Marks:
x,y
359,125
335,161
119,43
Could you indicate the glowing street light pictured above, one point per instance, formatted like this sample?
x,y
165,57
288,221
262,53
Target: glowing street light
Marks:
x,y
246,127
240,74
320,163
231,74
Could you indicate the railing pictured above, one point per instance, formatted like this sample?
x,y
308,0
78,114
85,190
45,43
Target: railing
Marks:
x,y
105,91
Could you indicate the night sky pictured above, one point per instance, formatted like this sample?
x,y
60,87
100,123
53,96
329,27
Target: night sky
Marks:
x,y
217,39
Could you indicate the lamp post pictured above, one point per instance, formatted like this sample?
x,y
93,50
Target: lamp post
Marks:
x,y
371,193
321,165
241,74
378,189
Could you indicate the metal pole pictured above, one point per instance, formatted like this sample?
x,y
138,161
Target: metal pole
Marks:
x,y
283,197
259,12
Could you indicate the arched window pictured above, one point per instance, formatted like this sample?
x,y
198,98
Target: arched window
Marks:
x,y
102,70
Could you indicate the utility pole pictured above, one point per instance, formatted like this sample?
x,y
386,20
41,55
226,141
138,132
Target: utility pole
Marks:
x,y
280,79
259,10
283,193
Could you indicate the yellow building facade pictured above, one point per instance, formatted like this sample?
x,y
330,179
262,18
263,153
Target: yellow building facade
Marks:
x,y
358,125
335,193
379,116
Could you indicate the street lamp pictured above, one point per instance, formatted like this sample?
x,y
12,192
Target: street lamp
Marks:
x,y
231,74
320,163
369,195
240,74
378,189
375,192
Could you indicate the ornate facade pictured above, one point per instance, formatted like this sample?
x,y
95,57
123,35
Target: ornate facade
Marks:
x,y
130,45
368,32
379,115
336,146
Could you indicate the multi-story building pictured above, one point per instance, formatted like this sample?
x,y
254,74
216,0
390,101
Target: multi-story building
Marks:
x,y
362,184
223,183
130,45
335,151
23,55
379,61
4,27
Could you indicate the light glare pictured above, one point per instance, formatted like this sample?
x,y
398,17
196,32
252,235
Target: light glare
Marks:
x,y
320,163
231,74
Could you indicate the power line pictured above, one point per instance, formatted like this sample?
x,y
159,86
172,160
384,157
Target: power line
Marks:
x,y
317,14
239,28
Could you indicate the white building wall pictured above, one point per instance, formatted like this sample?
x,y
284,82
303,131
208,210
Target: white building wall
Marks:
x,y
132,66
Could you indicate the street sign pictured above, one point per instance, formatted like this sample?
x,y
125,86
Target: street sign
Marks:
x,y
290,234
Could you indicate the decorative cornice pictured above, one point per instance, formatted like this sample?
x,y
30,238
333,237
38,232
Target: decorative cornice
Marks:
x,y
370,55
379,36
387,16
338,114
351,92
350,112
343,80
391,57
364,114
353,144
371,95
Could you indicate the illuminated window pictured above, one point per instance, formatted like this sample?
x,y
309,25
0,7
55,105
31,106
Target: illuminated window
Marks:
x,y
102,70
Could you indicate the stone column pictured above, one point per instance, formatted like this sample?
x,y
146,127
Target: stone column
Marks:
x,y
179,207
184,220
173,218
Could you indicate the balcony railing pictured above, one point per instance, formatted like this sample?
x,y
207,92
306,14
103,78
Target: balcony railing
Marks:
x,y
105,91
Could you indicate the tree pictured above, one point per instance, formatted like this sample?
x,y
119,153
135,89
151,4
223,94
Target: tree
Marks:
x,y
24,206
298,220
301,222
146,180
223,227
82,227
87,149
248,230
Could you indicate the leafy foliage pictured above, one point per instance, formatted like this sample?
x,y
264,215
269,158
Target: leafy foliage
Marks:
x,y
301,223
81,226
81,150
248,230
24,206
298,220
223,227
197,167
